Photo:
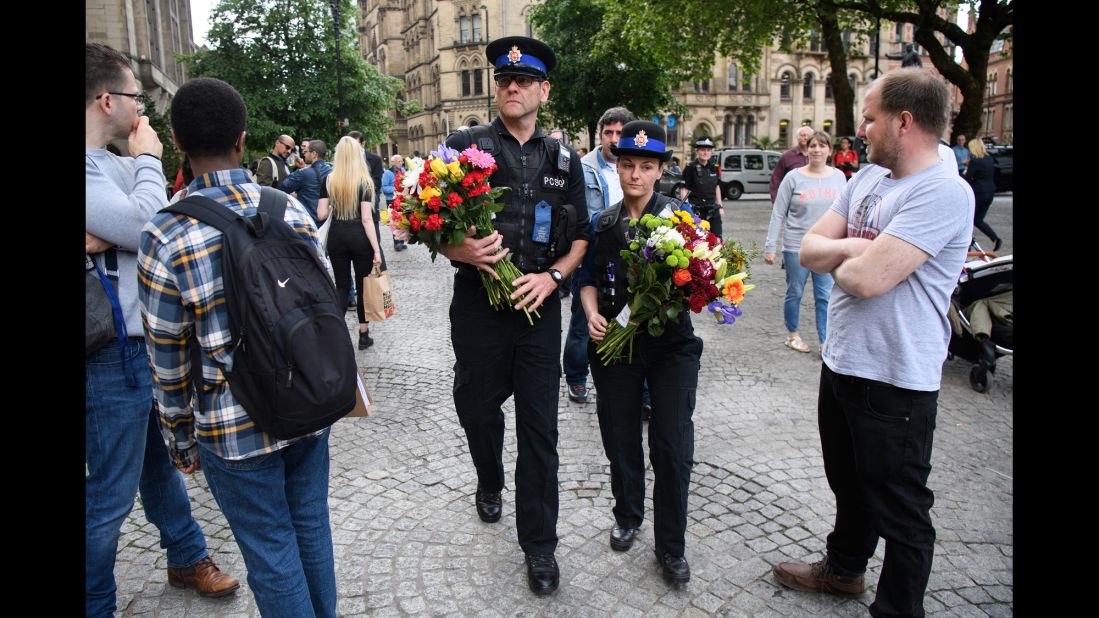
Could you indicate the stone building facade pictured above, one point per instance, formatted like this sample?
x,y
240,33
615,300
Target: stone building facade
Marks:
x,y
437,48
151,33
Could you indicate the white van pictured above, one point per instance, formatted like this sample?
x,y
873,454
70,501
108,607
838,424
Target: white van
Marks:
x,y
745,170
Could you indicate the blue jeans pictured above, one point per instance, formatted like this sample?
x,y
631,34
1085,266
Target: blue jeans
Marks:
x,y
125,452
796,276
574,362
277,506
876,440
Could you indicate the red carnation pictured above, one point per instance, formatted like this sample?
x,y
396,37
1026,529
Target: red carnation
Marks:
x,y
453,199
415,223
434,222
713,240
400,177
702,269
463,159
697,301
396,203
434,203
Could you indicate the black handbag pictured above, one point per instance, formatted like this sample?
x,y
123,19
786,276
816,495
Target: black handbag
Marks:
x,y
99,323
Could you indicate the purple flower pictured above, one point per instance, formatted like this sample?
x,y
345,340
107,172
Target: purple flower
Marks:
x,y
448,155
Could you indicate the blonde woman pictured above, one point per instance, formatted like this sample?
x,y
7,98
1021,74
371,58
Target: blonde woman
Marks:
x,y
348,196
980,174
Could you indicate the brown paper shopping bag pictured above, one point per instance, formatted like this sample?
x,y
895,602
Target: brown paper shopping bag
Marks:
x,y
378,301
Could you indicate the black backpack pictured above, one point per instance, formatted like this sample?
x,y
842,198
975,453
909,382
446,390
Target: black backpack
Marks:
x,y
294,368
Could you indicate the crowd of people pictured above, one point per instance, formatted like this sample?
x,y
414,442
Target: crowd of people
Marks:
x,y
883,247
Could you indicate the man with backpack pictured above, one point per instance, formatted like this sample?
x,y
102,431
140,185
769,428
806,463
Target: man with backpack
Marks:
x,y
213,300
273,169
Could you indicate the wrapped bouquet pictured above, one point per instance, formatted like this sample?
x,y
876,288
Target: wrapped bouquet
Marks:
x,y
436,201
675,264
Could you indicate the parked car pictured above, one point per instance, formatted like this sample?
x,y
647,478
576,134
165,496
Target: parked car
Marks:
x,y
669,183
1004,159
745,170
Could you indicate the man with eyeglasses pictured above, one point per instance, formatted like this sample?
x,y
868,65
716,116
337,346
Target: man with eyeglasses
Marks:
x,y
273,168
499,353
123,446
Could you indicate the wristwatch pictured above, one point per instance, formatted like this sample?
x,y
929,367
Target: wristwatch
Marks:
x,y
557,276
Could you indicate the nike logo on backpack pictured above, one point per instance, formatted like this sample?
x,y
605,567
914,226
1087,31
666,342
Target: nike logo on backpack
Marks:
x,y
282,284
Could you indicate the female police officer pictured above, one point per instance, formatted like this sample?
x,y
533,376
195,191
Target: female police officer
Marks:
x,y
669,363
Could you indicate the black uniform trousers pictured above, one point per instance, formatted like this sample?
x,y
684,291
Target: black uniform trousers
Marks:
x,y
497,354
709,210
876,440
670,363
348,246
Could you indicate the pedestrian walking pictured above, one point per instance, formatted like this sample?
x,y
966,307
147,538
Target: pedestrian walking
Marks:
x,y
669,364
804,195
498,353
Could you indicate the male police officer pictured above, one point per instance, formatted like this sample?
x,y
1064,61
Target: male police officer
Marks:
x,y
498,353
702,182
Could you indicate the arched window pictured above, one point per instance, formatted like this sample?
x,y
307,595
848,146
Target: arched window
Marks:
x,y
466,83
814,41
749,129
478,81
784,132
828,87
746,83
732,77
784,88
727,129
807,87
739,132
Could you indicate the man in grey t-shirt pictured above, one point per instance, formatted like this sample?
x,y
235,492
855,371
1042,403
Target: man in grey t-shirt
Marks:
x,y
895,242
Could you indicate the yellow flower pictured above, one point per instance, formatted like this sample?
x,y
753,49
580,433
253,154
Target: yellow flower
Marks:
x,y
455,169
705,225
438,168
429,193
384,215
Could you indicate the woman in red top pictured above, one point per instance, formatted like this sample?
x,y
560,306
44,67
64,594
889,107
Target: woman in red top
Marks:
x,y
846,159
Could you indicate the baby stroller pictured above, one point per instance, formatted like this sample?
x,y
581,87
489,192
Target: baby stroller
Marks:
x,y
981,318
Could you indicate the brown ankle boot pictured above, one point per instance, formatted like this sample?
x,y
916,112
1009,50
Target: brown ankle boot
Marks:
x,y
205,577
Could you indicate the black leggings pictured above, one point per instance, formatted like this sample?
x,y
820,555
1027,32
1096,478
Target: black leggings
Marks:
x,y
984,201
347,246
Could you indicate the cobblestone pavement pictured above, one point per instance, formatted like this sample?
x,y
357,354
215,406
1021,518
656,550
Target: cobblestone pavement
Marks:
x,y
408,541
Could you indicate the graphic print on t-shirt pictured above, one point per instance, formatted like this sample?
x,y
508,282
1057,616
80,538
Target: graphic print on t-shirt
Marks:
x,y
863,222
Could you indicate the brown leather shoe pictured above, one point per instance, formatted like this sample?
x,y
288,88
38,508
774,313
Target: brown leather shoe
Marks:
x,y
205,577
818,577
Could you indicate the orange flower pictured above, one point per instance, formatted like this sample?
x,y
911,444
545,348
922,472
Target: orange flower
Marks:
x,y
681,277
734,291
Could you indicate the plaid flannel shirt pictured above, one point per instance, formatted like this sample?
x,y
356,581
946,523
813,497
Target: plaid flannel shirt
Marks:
x,y
180,287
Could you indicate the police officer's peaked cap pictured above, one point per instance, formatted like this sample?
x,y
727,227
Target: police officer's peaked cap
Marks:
x,y
521,55
704,142
641,138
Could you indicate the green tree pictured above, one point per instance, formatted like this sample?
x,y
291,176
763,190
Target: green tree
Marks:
x,y
993,18
593,75
738,30
161,122
280,56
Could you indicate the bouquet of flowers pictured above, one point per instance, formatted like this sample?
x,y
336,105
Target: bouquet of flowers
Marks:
x,y
674,264
436,201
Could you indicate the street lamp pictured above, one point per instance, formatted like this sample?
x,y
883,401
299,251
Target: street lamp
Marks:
x,y
488,73
335,5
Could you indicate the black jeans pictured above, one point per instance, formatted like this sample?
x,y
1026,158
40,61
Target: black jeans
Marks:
x,y
497,354
670,363
876,440
983,203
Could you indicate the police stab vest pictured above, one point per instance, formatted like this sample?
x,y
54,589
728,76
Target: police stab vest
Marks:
x,y
612,236
705,182
541,176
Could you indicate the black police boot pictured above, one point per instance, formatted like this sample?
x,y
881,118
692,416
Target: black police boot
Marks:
x,y
543,575
365,341
622,538
674,568
489,505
